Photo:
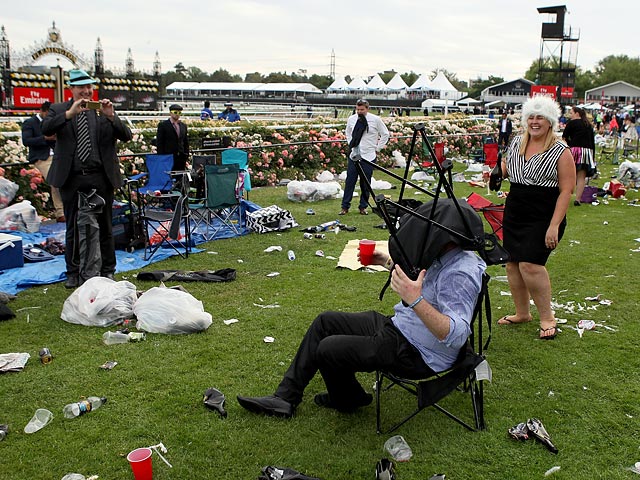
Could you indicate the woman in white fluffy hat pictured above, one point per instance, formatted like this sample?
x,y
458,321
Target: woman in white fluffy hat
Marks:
x,y
542,176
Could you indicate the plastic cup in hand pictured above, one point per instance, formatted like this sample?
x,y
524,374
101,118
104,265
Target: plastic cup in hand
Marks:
x,y
140,460
39,420
366,251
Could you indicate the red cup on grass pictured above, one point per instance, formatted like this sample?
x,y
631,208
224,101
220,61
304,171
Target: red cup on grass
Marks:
x,y
366,251
140,460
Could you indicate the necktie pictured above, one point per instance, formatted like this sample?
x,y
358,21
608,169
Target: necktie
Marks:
x,y
177,127
84,141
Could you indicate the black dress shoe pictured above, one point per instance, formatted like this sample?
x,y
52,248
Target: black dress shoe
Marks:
x,y
270,405
72,282
324,400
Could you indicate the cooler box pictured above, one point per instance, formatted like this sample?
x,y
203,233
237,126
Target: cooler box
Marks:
x,y
10,251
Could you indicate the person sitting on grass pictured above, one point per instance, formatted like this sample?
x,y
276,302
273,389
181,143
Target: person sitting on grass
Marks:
x,y
424,336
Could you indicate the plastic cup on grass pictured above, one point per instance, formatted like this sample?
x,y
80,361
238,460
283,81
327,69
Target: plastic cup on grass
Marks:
x,y
140,461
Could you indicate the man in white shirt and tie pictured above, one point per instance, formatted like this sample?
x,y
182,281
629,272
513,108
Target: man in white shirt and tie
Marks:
x,y
367,134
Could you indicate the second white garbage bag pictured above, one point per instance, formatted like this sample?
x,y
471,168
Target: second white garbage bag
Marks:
x,y
165,310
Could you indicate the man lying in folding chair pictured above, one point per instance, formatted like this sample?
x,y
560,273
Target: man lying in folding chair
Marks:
x,y
425,335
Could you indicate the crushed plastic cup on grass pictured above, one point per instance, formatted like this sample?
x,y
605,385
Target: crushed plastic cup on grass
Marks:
x,y
230,321
586,324
108,365
552,470
273,248
273,274
268,339
40,419
635,468
319,253
398,448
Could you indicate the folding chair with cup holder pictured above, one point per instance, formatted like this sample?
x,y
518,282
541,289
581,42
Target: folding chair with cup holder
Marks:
x,y
164,226
462,376
222,206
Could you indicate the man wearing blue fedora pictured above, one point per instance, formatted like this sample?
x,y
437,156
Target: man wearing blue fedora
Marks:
x,y
85,159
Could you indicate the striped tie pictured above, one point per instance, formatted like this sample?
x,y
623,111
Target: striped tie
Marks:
x,y
84,141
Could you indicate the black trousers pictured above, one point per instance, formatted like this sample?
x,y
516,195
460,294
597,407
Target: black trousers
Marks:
x,y
340,344
503,139
69,193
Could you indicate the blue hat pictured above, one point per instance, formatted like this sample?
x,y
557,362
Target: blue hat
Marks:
x,y
80,77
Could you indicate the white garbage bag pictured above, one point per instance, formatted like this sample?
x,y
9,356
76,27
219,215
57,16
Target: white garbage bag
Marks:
x,y
100,302
165,310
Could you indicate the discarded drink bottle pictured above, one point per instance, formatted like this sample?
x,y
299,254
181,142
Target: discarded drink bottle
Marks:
x,y
291,255
308,236
321,236
45,356
74,410
323,227
113,338
4,429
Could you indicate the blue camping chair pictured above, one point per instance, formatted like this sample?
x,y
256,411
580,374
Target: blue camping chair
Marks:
x,y
240,158
158,178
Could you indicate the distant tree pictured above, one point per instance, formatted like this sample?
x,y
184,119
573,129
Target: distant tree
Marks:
x,y
477,86
386,76
278,77
254,77
196,75
618,67
320,81
410,78
179,69
222,75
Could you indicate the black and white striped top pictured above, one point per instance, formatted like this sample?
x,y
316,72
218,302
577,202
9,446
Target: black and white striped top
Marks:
x,y
540,170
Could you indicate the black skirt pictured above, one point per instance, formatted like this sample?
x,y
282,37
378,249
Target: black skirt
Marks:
x,y
527,215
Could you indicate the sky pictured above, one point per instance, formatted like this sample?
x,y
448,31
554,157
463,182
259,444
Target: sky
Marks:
x,y
473,39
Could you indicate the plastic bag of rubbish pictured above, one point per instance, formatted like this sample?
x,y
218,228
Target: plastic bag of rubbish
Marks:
x,y
325,176
165,310
100,302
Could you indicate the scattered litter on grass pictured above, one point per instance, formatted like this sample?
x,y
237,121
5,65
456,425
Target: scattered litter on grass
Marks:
x,y
13,362
268,339
275,305
310,211
519,432
635,468
574,242
273,274
561,320
605,302
505,294
319,253
500,278
551,394
44,290
240,260
214,399
273,248
211,252
329,257
587,324
26,308
230,321
605,223
108,365
593,299
551,471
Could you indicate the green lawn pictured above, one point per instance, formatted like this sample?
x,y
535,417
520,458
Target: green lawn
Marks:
x,y
585,390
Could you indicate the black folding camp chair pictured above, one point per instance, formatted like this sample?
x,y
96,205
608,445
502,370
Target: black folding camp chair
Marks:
x,y
461,376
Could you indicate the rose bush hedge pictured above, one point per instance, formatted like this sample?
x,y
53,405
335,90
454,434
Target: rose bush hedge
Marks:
x,y
296,151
